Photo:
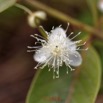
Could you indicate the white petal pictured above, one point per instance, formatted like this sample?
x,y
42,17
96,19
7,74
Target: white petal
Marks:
x,y
58,31
58,34
75,58
42,55
71,45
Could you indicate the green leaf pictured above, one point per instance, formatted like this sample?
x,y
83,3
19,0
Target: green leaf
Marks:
x,y
5,4
80,86
86,17
99,47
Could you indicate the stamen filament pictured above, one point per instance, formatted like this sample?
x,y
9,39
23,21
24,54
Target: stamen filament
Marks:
x,y
67,27
70,34
31,50
82,44
75,36
39,36
81,49
33,47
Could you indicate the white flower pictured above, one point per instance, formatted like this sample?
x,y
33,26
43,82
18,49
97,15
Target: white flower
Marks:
x,y
57,49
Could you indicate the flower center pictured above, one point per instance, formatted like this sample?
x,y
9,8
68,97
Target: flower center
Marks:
x,y
57,50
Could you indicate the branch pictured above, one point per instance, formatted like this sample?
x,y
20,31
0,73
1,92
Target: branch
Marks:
x,y
61,16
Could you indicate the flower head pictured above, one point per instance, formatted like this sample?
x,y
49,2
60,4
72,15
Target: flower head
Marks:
x,y
57,49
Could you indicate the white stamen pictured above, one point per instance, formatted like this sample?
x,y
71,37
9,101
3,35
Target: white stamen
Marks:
x,y
46,62
32,47
70,34
38,39
67,27
39,36
81,49
53,28
53,73
38,42
82,44
58,67
75,36
36,67
31,50
67,69
60,25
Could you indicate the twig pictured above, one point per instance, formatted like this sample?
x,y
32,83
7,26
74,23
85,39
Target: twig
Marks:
x,y
23,8
61,16
93,7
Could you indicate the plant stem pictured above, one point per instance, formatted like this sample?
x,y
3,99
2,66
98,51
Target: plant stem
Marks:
x,y
93,8
61,16
24,8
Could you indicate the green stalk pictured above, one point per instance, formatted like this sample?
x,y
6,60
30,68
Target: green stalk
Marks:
x,y
24,8
93,8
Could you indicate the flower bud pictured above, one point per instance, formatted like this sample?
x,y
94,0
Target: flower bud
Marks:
x,y
34,18
100,5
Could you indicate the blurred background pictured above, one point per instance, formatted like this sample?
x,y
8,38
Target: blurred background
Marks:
x,y
16,65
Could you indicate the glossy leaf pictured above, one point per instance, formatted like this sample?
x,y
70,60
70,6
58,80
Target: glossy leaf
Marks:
x,y
80,86
5,4
99,47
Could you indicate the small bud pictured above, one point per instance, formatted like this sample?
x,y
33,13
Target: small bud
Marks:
x,y
34,18
100,5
